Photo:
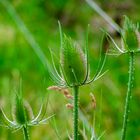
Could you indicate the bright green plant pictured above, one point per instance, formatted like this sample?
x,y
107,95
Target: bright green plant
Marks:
x,y
74,71
131,46
23,117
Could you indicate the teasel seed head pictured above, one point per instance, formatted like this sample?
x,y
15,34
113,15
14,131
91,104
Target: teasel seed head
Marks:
x,y
22,115
130,35
74,69
73,62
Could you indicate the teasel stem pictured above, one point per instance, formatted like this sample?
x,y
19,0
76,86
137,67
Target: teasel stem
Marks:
x,y
128,96
75,113
25,132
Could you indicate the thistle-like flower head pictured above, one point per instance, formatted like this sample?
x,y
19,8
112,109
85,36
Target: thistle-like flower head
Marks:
x,y
22,116
74,64
130,37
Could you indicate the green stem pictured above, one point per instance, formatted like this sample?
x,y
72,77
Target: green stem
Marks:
x,y
75,114
128,96
26,133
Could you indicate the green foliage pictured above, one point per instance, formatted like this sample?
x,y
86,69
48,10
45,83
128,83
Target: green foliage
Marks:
x,y
16,56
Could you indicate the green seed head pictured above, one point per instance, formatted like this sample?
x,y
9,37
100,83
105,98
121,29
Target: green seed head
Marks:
x,y
130,34
73,62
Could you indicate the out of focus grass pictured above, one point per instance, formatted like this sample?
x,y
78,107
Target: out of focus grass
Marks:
x,y
17,59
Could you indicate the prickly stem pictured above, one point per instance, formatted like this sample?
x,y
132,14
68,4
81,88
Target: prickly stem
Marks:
x,y
128,96
75,114
26,132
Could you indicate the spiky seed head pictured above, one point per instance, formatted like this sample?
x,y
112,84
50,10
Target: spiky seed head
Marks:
x,y
130,35
22,112
73,62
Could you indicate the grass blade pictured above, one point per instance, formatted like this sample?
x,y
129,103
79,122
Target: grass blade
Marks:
x,y
104,15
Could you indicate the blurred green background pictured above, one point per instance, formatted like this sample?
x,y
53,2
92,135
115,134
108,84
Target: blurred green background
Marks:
x,y
17,59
